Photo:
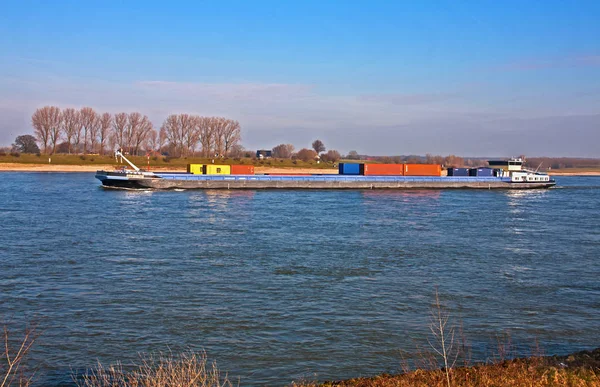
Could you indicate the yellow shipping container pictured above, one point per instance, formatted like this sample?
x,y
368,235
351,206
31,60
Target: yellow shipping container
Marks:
x,y
196,169
217,169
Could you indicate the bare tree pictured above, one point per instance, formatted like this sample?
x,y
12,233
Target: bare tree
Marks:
x,y
13,358
105,125
188,127
46,124
283,151
71,125
231,135
134,120
151,142
306,154
118,129
331,156
88,118
318,146
218,128
95,126
139,131
171,131
206,131
162,139
443,336
237,151
55,127
353,155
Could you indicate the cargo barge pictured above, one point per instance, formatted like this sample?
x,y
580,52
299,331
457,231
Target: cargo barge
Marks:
x,y
352,176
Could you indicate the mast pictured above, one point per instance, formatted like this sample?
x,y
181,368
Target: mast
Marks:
x,y
119,153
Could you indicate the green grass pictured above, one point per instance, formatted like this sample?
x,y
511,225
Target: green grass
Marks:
x,y
142,161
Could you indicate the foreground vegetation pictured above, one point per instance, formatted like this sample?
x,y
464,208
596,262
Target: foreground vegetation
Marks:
x,y
446,346
534,371
194,370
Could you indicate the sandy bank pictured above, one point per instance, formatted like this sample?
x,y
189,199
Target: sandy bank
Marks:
x,y
574,173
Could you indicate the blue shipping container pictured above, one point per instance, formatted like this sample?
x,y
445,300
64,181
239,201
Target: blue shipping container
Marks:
x,y
458,171
351,169
485,172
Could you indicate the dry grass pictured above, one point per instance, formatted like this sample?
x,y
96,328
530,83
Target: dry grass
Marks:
x,y
532,372
448,345
189,369
12,370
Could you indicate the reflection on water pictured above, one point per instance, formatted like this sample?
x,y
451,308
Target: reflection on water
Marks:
x,y
404,194
277,285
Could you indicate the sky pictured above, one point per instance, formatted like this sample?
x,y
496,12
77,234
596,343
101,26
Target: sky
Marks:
x,y
472,78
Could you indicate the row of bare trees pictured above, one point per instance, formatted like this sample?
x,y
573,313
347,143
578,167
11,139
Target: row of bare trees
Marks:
x,y
86,131
216,136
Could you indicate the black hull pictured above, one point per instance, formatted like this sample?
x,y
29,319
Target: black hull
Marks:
x,y
169,184
128,184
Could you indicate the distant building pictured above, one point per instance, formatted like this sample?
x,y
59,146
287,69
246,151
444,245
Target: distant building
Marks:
x,y
264,154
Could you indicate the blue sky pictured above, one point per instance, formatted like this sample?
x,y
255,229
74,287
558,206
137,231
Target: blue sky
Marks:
x,y
380,77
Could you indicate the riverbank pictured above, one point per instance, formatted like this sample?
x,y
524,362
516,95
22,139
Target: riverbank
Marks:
x,y
17,167
577,369
28,167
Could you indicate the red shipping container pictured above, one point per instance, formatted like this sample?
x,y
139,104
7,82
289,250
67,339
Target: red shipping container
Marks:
x,y
383,169
242,169
422,170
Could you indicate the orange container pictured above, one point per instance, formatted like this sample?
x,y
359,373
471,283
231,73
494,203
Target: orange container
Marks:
x,y
242,169
383,169
422,170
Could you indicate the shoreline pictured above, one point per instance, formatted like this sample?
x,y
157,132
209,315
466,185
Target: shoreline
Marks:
x,y
24,167
581,366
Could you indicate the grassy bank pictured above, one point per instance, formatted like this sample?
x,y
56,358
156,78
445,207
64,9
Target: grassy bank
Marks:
x,y
163,162
155,161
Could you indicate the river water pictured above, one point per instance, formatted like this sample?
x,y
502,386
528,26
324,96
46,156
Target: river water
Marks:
x,y
286,285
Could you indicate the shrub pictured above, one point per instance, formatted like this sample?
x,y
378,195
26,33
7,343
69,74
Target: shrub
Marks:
x,y
188,369
15,154
306,154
